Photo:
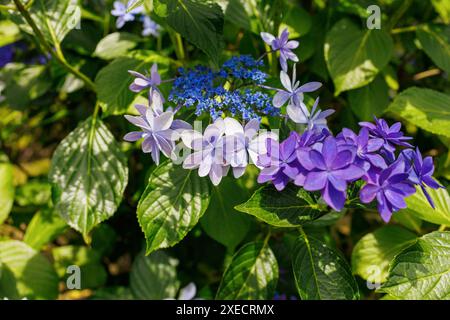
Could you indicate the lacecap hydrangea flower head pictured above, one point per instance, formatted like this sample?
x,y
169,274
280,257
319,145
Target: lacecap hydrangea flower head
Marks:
x,y
236,98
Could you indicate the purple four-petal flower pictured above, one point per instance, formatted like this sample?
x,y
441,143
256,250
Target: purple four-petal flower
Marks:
x,y
283,44
329,171
390,187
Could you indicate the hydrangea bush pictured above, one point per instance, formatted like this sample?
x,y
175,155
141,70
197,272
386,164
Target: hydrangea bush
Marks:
x,y
303,145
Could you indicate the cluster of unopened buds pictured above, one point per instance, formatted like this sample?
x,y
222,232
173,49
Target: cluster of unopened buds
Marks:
x,y
379,155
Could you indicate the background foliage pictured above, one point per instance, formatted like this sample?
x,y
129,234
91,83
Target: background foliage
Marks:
x,y
73,193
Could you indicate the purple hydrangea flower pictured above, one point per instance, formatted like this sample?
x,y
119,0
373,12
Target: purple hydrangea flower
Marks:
x,y
120,11
150,27
209,152
391,135
390,187
365,148
284,45
156,132
280,163
294,92
308,140
329,171
143,82
315,120
421,172
243,143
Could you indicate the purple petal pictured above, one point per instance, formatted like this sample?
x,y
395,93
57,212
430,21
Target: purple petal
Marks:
x,y
428,196
383,207
280,182
148,144
376,160
342,159
310,87
429,181
137,121
427,166
352,172
374,144
395,198
267,37
280,98
337,182
333,197
133,136
315,181
293,44
305,160
317,160
329,151
368,193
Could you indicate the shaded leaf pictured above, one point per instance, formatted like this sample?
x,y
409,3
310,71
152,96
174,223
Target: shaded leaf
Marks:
x,y
291,207
251,275
221,221
435,41
154,277
320,272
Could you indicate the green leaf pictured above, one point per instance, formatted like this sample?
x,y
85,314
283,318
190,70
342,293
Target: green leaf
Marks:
x,y
9,32
154,277
297,20
421,271
200,22
354,57
113,80
26,273
171,205
54,18
6,190
45,226
418,206
237,14
93,273
370,100
291,207
443,8
435,41
24,83
425,108
221,221
320,272
373,252
408,220
251,275
34,193
89,174
115,45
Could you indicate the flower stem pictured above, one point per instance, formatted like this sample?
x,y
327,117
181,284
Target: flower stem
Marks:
x,y
442,227
57,53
